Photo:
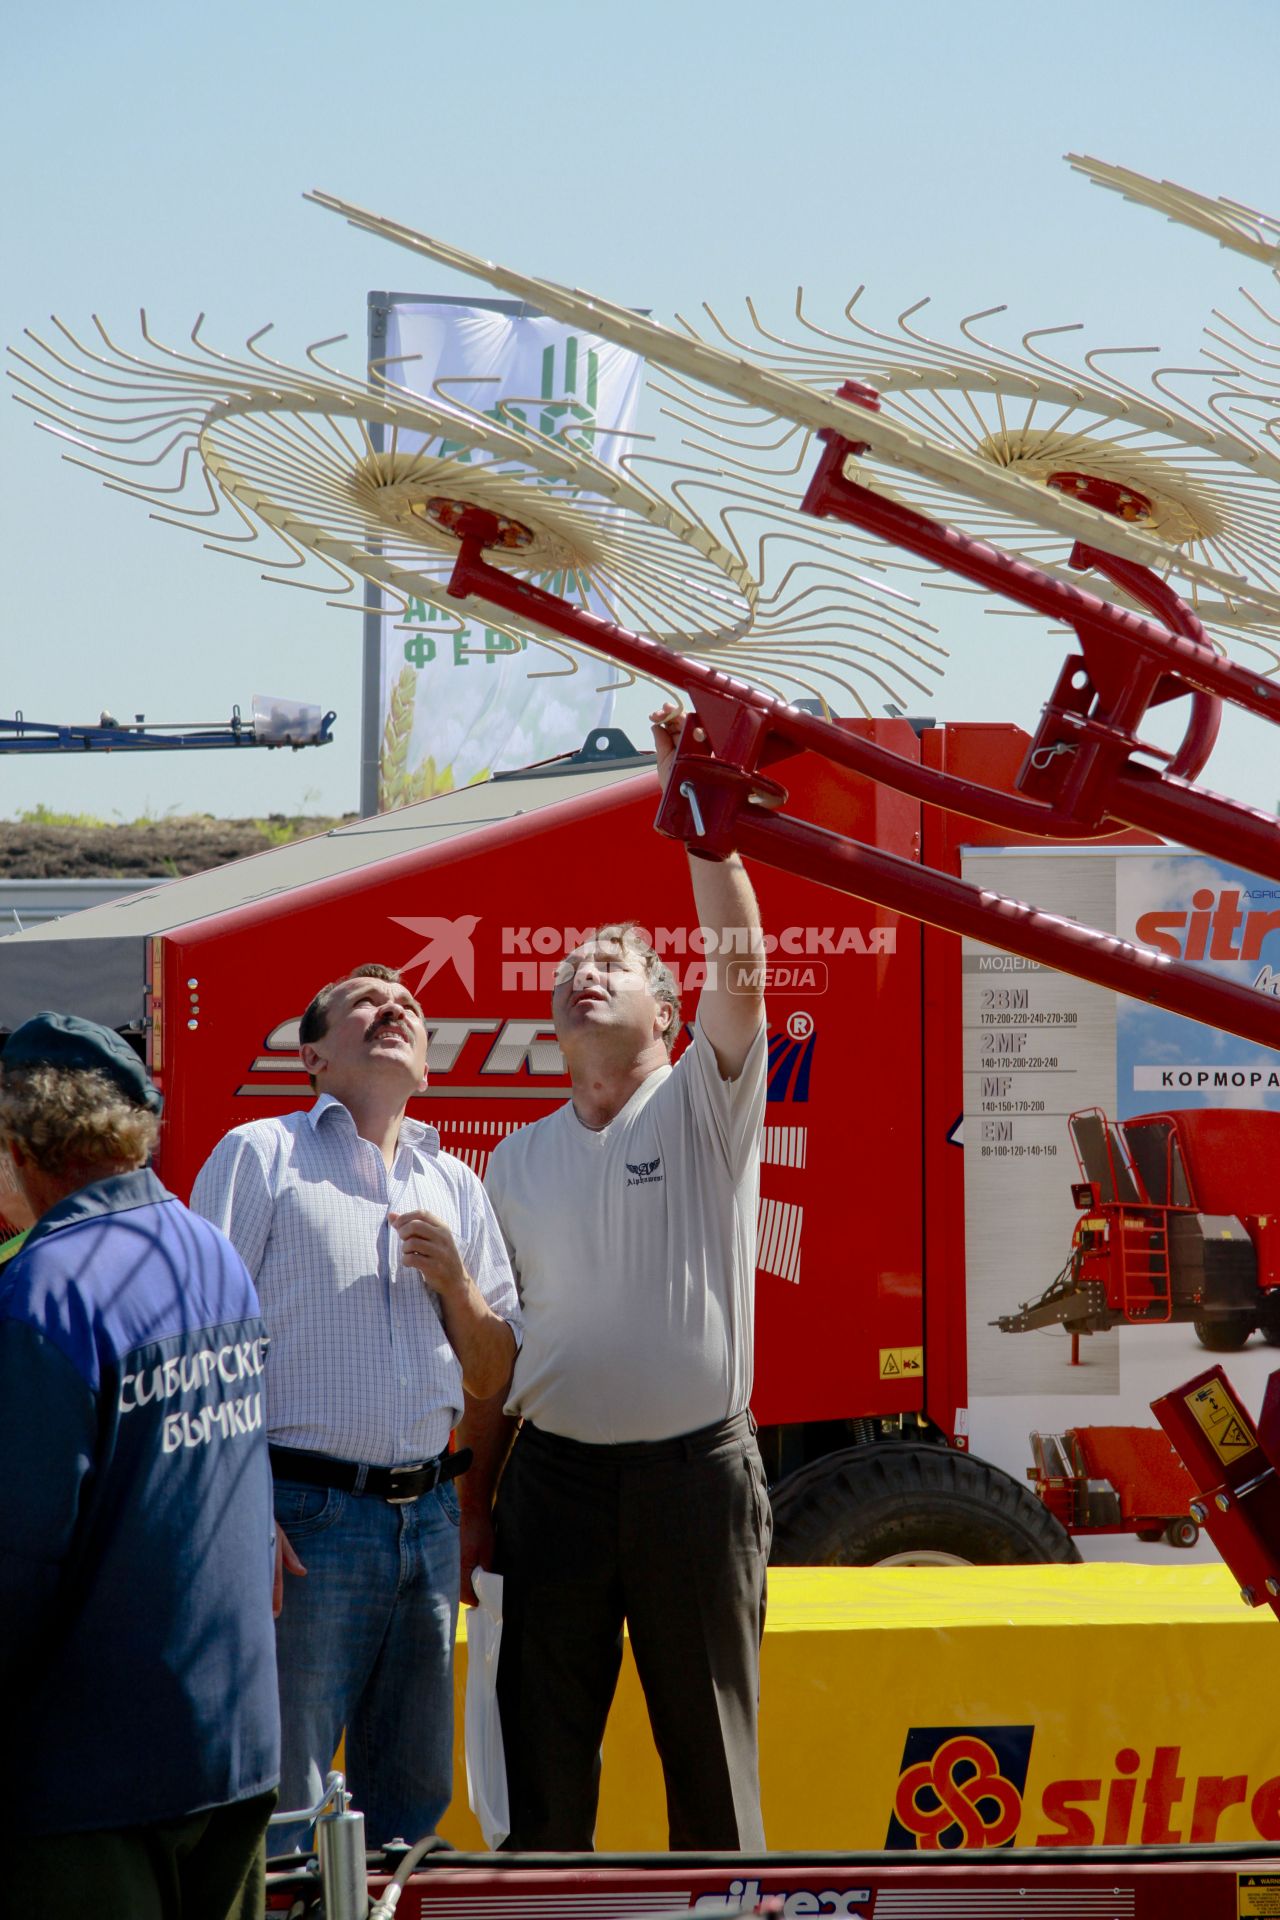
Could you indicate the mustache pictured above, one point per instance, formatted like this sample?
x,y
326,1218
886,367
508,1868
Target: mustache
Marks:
x,y
383,1020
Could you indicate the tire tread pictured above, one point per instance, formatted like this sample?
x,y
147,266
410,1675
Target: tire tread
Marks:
x,y
861,1505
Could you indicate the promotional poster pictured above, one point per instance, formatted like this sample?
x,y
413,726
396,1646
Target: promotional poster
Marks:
x,y
1076,1097
459,698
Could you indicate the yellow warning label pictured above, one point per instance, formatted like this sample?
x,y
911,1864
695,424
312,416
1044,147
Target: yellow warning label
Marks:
x,y
897,1361
1224,1425
1257,1893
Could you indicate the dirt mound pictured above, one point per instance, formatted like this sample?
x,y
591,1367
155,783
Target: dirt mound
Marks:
x,y
147,849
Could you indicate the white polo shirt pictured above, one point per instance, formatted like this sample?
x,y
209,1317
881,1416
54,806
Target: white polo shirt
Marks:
x,y
634,1250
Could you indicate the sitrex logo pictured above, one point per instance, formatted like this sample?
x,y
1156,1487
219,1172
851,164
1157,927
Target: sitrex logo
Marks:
x,y
960,1787
1227,925
466,1056
966,1787
804,1900
480,1048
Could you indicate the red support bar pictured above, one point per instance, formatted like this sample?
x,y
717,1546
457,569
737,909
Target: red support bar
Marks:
x,y
1140,797
1157,803
959,907
722,700
832,496
1141,585
1131,662
746,727
1233,1467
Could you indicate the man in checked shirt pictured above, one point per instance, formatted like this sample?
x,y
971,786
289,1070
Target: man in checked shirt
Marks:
x,y
386,1291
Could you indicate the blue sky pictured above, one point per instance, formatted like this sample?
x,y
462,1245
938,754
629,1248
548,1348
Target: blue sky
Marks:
x,y
661,154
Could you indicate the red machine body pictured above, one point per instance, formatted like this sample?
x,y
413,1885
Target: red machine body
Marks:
x,y
1232,1153
1200,1883
862,1223
862,1215
1234,1467
1115,1480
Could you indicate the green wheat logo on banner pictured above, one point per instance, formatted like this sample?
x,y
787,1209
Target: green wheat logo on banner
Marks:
x,y
457,699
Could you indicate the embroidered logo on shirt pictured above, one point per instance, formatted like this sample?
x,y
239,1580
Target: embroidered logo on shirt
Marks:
x,y
644,1173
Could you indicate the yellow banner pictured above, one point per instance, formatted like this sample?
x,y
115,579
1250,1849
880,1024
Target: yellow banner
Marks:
x,y
1039,1706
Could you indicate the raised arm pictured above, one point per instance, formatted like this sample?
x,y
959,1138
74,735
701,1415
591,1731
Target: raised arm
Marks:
x,y
732,1004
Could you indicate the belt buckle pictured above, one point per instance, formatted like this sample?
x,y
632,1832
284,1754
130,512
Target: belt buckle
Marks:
x,y
394,1499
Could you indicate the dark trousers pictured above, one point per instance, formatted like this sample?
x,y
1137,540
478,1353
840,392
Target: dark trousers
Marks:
x,y
207,1866
672,1537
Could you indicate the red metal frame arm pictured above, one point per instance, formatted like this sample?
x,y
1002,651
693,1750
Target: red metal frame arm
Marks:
x,y
832,496
718,804
1234,1468
943,901
1141,585
1158,803
1081,761
739,719
722,703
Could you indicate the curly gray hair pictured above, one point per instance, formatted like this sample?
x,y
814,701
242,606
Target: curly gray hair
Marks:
x,y
65,1120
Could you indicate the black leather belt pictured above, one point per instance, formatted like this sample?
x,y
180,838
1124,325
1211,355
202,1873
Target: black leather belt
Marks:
x,y
399,1485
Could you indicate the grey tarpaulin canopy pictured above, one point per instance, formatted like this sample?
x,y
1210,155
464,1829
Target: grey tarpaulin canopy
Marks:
x,y
94,963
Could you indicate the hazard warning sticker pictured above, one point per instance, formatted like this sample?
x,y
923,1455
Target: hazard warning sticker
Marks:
x,y
895,1362
1225,1427
1257,1893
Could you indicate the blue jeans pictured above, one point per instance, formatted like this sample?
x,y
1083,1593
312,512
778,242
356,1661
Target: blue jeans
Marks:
x,y
365,1642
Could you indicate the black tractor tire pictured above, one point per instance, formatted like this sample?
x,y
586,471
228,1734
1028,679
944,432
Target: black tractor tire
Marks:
x,y
911,1505
1269,1319
1226,1333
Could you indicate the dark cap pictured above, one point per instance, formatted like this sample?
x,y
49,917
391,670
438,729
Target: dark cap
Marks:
x,y
65,1040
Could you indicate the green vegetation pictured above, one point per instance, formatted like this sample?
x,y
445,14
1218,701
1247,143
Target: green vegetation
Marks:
x,y
276,829
47,843
43,816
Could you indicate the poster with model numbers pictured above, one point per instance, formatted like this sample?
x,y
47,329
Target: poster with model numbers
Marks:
x,y
1040,1046
1228,922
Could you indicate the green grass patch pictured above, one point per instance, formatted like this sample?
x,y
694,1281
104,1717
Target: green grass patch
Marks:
x,y
42,816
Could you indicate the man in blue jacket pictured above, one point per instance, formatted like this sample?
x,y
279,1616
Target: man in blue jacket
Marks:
x,y
141,1735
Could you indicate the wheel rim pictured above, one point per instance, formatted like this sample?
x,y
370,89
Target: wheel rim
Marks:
x,y
923,1557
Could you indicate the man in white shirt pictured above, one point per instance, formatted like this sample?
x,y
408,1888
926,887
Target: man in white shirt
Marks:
x,y
386,1291
634,1489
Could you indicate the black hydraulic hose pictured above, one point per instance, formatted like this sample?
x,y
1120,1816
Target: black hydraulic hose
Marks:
x,y
418,1852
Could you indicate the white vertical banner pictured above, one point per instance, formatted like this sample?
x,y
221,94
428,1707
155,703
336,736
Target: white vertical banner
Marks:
x,y
458,702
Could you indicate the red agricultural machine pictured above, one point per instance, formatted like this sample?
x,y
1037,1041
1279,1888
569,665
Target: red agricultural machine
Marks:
x,y
863,1205
856,830
1100,1480
861,1324
1179,1221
